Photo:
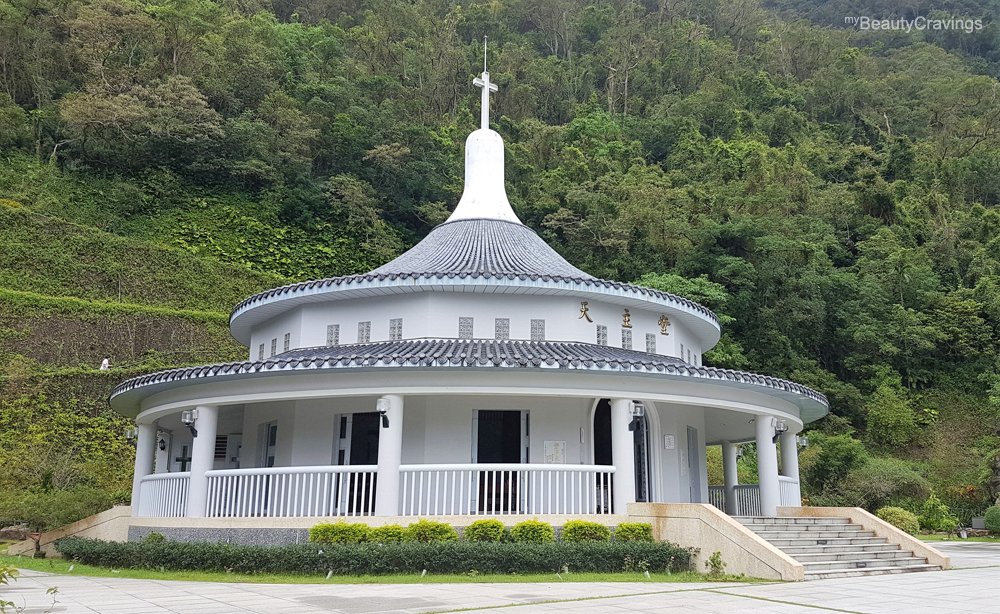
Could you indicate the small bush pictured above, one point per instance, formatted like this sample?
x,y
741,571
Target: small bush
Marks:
x,y
993,519
900,518
487,530
381,559
429,531
532,532
715,565
634,532
936,516
339,533
585,531
155,538
387,534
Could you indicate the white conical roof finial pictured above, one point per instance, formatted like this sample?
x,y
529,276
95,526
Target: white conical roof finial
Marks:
x,y
485,196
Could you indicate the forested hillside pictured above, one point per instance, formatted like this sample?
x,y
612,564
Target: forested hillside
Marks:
x,y
834,195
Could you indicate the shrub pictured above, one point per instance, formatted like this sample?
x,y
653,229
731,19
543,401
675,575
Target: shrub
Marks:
x,y
891,421
43,511
380,559
487,530
882,482
387,534
339,533
993,519
837,455
900,518
532,532
585,531
154,538
634,532
428,531
936,516
715,565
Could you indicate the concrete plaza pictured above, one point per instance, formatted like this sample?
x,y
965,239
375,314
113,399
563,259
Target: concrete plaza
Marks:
x,y
970,587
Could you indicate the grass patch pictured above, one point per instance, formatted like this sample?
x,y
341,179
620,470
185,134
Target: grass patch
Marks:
x,y
62,567
940,537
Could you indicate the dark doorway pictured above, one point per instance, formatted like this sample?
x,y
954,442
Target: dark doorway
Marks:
x,y
499,437
364,451
602,433
499,440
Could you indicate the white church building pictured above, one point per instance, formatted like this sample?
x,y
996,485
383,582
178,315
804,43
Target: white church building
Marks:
x,y
479,373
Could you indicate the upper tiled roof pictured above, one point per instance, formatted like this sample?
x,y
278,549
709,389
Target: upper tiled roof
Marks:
x,y
471,353
481,248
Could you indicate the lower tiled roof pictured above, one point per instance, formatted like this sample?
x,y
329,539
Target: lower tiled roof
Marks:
x,y
469,353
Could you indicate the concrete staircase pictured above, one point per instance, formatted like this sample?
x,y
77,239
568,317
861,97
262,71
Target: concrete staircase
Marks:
x,y
834,547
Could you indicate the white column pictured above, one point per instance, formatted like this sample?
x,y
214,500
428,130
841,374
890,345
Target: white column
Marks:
x,y
162,456
144,444
767,466
202,459
790,463
622,454
390,454
730,476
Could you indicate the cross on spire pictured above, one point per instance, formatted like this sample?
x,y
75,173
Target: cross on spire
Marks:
x,y
488,86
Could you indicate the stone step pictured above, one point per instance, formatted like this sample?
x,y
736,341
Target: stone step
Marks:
x,y
791,520
819,535
812,528
909,561
795,551
868,571
827,541
821,557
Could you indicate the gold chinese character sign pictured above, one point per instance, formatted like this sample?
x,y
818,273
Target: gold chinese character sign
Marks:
x,y
584,312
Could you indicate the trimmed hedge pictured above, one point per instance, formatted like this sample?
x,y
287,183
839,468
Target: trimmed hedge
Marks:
x,y
387,534
901,519
339,533
585,531
378,559
533,532
486,530
429,531
634,532
993,519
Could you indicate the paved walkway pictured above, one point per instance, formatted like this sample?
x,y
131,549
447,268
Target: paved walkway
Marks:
x,y
972,587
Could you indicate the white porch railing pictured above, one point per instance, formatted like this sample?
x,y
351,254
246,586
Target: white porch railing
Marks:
x,y
748,496
164,495
335,490
503,489
788,489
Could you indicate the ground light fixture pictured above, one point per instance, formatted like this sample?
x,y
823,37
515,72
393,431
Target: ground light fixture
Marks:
x,y
188,418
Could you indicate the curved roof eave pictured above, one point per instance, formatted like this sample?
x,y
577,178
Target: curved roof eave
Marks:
x,y
466,354
261,307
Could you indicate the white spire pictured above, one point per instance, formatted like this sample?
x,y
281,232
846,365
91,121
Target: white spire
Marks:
x,y
485,195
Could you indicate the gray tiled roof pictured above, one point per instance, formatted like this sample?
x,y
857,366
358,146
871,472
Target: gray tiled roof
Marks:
x,y
482,248
471,353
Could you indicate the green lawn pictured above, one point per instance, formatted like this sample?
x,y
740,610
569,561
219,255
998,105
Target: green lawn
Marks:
x,y
61,566
940,537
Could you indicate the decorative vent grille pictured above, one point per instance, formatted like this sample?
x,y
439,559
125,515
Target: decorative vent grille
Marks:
x,y
651,343
288,342
221,446
502,329
465,328
627,338
333,334
538,330
274,346
364,332
602,334
396,329
260,352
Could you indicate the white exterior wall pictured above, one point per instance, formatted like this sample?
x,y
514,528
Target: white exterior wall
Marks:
x,y
437,316
673,481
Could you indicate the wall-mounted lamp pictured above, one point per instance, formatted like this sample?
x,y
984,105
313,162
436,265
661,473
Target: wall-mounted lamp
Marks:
x,y
803,441
739,452
188,418
382,406
780,428
638,411
131,434
161,444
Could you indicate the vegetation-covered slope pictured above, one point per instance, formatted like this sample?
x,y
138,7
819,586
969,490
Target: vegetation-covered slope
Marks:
x,y
835,195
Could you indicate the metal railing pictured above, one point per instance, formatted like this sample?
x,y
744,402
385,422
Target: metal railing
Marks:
x,y
164,495
504,488
748,496
335,490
